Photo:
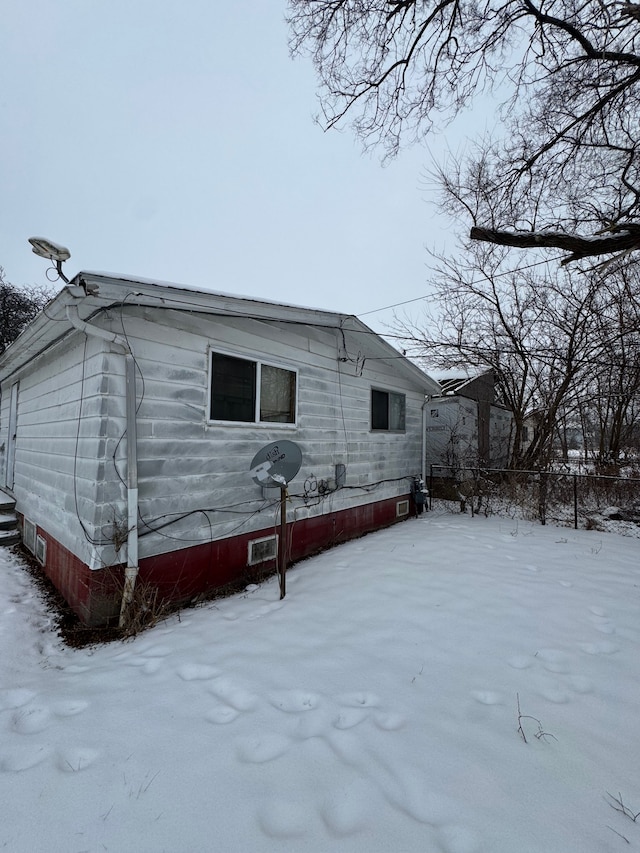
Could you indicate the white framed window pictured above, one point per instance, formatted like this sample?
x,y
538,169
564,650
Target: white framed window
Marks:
x,y
388,411
245,390
41,550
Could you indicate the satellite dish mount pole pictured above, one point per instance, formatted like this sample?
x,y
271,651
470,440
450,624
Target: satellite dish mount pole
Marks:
x,y
277,464
282,550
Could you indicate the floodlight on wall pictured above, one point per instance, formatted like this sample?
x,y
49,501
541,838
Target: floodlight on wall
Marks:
x,y
52,252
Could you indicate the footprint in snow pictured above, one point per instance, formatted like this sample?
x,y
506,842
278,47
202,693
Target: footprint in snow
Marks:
x,y
487,697
581,684
69,707
152,665
14,760
29,721
197,672
16,697
281,819
76,759
235,696
553,660
222,714
554,693
259,749
312,725
350,717
598,611
360,700
349,810
295,701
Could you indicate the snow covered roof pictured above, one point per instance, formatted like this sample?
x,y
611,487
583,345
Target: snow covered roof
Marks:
x,y
94,292
453,380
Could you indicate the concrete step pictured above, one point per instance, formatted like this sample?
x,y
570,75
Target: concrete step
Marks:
x,y
9,533
9,537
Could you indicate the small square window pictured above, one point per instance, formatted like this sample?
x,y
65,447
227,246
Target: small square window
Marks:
x,y
387,411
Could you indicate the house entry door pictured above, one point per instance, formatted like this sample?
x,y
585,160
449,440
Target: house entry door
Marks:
x,y
13,430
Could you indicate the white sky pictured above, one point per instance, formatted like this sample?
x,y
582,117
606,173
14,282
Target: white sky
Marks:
x,y
176,141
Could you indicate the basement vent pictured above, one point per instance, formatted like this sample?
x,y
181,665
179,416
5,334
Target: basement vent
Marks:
x,y
261,550
41,550
29,535
402,508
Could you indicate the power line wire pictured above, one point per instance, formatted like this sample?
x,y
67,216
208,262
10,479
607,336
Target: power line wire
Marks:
x,y
497,275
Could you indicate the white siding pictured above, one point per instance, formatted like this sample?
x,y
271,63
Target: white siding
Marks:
x,y
187,464
452,433
61,442
72,450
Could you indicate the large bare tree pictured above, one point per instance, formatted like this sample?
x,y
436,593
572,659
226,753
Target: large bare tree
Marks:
x,y
554,337
565,170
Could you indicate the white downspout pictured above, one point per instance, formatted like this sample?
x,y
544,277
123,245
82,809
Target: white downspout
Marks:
x,y
131,571
427,400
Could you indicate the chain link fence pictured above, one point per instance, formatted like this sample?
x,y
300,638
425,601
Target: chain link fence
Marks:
x,y
588,501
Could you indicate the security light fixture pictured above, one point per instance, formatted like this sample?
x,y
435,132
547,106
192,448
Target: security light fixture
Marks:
x,y
52,251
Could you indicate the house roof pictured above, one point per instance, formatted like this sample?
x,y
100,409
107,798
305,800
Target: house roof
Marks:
x,y
454,381
94,292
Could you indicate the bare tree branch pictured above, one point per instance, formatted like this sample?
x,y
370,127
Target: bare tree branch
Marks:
x,y
626,238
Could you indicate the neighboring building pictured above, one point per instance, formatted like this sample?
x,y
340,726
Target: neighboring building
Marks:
x,y
131,412
464,425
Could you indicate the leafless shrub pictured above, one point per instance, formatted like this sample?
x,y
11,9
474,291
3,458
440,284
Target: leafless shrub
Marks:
x,y
617,804
540,733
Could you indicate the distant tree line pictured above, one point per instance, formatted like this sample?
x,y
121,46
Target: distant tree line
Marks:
x,y
18,306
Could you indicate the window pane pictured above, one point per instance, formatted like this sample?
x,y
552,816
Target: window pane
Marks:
x,y
233,388
379,409
277,395
396,411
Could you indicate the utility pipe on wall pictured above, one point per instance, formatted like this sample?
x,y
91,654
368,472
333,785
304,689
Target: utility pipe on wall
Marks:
x,y
131,570
423,471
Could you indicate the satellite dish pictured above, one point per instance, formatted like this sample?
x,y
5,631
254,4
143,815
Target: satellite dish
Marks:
x,y
276,464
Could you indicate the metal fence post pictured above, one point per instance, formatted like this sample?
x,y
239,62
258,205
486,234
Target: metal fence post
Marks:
x,y
575,501
542,505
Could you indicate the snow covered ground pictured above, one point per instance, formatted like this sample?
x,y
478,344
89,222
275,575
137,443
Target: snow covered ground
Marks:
x,y
374,709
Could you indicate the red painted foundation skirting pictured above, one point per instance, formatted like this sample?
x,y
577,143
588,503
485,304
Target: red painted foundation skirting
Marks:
x,y
181,576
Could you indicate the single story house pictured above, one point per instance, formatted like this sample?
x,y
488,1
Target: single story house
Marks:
x,y
465,427
132,412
